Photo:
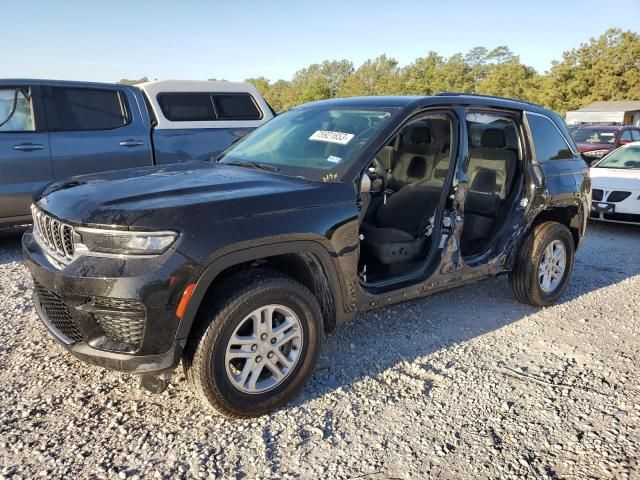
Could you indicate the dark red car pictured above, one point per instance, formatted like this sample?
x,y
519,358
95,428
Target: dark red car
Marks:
x,y
595,141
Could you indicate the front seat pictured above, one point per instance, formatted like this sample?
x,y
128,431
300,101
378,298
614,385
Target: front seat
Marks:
x,y
398,235
414,160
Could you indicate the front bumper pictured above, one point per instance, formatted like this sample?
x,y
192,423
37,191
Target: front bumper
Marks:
x,y
114,312
620,211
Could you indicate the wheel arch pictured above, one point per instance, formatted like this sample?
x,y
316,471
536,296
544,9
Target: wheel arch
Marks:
x,y
308,262
571,216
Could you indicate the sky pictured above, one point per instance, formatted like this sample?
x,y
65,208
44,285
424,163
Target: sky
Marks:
x,y
234,40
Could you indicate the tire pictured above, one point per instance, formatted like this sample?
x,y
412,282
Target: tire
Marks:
x,y
205,362
525,279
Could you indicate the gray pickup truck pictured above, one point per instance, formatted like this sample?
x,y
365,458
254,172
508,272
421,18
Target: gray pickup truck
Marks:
x,y
50,130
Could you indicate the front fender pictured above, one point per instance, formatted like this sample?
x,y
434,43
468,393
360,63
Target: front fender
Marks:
x,y
229,259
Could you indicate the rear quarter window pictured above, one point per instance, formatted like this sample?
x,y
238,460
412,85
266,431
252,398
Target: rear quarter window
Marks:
x,y
548,142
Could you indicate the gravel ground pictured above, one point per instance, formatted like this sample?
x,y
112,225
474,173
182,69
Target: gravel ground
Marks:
x,y
465,384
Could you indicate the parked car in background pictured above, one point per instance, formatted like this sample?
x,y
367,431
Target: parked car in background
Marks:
x,y
616,186
595,141
573,128
332,208
50,130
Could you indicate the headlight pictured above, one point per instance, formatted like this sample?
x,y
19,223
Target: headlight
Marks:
x,y
596,153
122,242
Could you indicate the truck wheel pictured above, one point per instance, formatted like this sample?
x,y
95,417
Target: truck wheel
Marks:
x,y
543,265
256,346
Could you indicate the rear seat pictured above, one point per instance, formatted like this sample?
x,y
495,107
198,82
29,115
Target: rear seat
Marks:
x,y
492,155
490,173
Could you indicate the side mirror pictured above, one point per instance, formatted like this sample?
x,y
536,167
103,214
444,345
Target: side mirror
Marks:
x,y
624,142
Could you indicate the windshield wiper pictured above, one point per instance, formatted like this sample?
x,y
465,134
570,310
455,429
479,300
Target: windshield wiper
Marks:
x,y
256,165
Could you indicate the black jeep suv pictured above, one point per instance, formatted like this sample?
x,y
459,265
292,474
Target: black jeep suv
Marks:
x,y
238,267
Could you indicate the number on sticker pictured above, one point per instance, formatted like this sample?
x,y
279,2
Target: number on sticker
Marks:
x,y
341,138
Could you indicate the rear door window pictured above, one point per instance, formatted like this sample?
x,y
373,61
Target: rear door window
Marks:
x,y
236,106
16,110
82,109
548,142
187,107
635,135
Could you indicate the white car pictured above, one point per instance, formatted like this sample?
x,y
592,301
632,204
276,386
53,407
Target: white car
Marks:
x,y
616,186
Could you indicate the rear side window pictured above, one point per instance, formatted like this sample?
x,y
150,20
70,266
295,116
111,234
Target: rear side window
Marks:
x,y
238,106
548,142
80,109
625,136
207,107
187,107
635,134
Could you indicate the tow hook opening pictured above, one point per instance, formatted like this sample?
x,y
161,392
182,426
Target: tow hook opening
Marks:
x,y
155,382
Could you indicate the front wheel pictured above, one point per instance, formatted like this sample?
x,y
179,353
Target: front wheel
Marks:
x,y
256,346
543,265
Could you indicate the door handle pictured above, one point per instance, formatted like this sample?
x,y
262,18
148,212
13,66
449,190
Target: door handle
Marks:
x,y
131,143
28,147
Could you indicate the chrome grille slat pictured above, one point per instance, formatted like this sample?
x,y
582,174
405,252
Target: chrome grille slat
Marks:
x,y
55,237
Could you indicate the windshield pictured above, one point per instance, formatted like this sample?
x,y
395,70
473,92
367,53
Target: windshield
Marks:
x,y
316,143
626,157
595,135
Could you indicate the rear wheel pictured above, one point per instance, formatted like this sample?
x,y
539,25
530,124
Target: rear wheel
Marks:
x,y
256,346
544,265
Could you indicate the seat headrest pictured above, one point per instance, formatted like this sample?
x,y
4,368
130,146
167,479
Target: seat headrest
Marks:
x,y
493,138
419,135
417,167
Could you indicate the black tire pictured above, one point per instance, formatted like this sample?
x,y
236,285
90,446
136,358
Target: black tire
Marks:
x,y
524,280
204,358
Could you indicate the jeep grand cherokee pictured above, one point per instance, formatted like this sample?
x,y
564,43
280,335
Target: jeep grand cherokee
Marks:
x,y
237,268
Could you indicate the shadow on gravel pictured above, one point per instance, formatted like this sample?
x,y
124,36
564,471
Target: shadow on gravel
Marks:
x,y
10,243
381,339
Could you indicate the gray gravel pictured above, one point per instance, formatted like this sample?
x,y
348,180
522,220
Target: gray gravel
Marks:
x,y
465,384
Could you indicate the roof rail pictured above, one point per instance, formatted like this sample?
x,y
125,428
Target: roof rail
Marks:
x,y
479,95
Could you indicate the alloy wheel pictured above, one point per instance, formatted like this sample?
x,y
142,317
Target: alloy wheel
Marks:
x,y
552,266
264,349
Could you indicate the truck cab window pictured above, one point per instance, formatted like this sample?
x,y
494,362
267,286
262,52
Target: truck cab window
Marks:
x,y
16,111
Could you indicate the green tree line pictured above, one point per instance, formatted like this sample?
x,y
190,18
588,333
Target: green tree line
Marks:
x,y
605,68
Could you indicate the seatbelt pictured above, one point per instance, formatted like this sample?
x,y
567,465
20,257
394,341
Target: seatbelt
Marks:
x,y
428,229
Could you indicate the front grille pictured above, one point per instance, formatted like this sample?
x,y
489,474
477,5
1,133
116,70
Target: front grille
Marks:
x,y
54,236
121,320
122,329
57,313
597,194
617,196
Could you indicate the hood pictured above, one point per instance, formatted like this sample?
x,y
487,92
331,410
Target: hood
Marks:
x,y
587,147
615,178
122,197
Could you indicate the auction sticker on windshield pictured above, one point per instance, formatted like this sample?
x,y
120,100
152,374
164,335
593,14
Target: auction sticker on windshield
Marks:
x,y
341,138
